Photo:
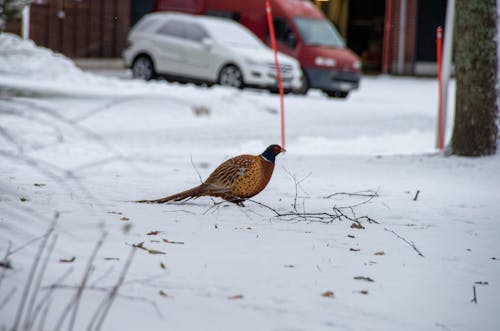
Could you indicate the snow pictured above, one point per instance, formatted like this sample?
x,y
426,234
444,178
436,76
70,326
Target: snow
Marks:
x,y
98,143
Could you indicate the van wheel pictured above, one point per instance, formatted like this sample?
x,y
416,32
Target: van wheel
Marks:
x,y
337,94
143,68
231,76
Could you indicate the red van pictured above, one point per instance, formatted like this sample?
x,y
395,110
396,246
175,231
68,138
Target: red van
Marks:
x,y
302,31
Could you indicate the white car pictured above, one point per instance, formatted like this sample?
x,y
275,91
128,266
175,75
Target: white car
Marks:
x,y
207,50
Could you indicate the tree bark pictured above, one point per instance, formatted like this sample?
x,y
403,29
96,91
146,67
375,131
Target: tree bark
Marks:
x,y
475,131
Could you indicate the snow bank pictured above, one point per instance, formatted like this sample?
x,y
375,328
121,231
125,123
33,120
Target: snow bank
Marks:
x,y
28,68
20,57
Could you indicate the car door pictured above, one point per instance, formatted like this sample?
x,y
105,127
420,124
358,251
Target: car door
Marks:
x,y
197,54
169,50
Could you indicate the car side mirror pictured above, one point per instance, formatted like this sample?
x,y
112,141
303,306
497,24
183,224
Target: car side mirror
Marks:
x,y
208,43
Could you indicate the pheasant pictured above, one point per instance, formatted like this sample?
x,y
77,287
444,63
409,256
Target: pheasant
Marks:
x,y
235,180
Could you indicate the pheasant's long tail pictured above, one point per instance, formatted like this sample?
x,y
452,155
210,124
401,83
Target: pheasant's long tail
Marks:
x,y
195,192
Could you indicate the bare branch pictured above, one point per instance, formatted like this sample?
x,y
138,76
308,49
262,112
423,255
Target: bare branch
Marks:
x,y
114,291
31,275
410,243
29,319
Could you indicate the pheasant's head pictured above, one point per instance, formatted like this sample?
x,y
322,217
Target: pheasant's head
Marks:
x,y
270,153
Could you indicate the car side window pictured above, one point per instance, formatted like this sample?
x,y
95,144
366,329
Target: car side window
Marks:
x,y
283,32
195,32
171,28
184,30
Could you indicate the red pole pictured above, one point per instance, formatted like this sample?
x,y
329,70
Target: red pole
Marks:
x,y
439,48
278,71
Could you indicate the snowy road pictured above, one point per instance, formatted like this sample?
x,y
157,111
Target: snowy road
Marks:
x,y
90,149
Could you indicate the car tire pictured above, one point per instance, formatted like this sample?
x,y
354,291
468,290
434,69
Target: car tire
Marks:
x,y
337,94
231,76
304,87
143,68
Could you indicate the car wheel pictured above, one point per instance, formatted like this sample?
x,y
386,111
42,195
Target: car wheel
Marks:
x,y
143,68
337,94
304,87
231,76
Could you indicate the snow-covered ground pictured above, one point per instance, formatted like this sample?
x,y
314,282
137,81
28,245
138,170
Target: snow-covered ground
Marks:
x,y
86,146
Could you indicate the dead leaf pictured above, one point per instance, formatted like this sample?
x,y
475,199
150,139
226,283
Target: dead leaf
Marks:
x,y
153,233
173,242
354,249
124,219
236,297
154,251
140,245
289,266
364,292
163,266
155,241
163,294
112,258
328,294
357,226
379,253
68,260
23,199
481,283
115,212
351,236
39,185
368,279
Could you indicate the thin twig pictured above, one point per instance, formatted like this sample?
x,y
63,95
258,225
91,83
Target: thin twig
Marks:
x,y
85,279
7,297
367,193
5,260
474,299
45,300
76,298
29,281
114,291
410,243
107,289
315,217
195,169
29,319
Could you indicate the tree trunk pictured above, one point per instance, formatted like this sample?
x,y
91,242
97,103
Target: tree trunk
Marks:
x,y
475,132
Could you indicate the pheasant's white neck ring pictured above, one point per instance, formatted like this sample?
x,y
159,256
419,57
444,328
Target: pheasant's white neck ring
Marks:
x,y
265,159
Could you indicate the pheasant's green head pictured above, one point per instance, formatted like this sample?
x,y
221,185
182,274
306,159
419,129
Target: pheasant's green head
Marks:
x,y
270,153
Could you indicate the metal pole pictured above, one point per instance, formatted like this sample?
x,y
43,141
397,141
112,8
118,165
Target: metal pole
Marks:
x,y
402,36
447,50
26,22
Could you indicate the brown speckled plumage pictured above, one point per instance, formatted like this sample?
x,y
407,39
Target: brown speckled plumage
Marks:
x,y
235,180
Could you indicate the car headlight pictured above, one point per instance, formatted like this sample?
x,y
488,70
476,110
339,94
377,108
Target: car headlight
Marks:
x,y
325,61
356,65
254,62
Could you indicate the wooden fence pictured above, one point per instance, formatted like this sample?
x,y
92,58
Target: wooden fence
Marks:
x,y
80,28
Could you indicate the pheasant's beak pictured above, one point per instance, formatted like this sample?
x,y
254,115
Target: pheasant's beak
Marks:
x,y
283,150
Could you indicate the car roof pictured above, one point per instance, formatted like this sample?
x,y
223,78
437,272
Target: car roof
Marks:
x,y
204,20
219,27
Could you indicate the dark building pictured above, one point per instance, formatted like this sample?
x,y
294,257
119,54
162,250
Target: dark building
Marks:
x,y
392,36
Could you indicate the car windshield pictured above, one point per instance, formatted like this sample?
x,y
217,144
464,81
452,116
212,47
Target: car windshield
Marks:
x,y
318,32
233,35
